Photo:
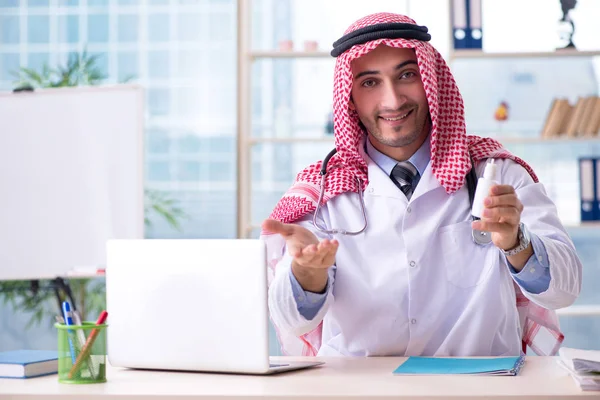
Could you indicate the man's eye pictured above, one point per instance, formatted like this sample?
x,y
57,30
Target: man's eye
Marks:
x,y
368,83
407,75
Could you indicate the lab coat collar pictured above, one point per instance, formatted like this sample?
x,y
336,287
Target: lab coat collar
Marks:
x,y
380,184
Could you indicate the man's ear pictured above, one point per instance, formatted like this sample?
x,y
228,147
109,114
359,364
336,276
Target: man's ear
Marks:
x,y
351,104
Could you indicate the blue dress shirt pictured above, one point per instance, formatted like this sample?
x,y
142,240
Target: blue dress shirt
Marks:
x,y
534,277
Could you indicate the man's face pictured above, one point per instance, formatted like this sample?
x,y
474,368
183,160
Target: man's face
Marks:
x,y
388,95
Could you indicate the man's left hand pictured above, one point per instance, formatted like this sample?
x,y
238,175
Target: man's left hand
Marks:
x,y
501,216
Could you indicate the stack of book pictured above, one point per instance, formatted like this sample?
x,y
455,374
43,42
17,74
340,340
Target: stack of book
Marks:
x,y
583,366
581,119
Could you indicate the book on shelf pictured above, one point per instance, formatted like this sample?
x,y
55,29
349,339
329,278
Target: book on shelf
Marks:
x,y
581,119
557,118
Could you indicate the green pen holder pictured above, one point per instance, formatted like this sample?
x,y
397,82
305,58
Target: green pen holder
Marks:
x,y
81,363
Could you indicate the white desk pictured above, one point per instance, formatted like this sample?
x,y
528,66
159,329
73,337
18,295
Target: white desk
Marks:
x,y
339,378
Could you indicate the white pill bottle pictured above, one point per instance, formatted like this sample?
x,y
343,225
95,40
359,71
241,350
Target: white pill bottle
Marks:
x,y
483,188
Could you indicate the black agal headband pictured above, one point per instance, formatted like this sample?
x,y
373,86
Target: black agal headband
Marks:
x,y
388,30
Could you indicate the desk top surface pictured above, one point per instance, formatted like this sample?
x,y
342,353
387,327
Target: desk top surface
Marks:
x,y
541,377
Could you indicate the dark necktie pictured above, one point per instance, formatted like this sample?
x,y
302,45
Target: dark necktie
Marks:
x,y
403,175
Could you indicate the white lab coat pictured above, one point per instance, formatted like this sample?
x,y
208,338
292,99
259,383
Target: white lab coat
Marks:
x,y
415,283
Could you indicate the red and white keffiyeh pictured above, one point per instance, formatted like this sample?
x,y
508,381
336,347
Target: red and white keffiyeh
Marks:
x,y
450,163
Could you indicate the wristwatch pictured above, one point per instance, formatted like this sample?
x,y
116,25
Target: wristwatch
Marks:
x,y
524,242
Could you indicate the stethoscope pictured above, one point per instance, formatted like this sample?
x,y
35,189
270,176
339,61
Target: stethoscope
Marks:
x,y
479,237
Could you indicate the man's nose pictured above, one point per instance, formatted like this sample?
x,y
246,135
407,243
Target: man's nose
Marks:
x,y
392,97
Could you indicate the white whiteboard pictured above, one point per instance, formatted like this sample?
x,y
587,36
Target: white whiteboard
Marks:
x,y
71,177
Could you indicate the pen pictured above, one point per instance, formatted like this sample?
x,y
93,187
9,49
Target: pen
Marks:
x,y
88,345
81,337
69,321
80,334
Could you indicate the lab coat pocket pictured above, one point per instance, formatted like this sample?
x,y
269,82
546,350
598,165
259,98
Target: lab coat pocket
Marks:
x,y
466,264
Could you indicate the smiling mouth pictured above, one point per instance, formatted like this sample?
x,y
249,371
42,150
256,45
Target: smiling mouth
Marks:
x,y
398,118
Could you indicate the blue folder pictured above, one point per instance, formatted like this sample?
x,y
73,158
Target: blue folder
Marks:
x,y
469,366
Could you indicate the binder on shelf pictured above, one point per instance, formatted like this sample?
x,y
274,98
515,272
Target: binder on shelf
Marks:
x,y
467,29
588,191
459,24
475,25
597,190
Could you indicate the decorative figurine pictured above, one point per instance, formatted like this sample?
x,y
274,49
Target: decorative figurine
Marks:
x,y
501,113
566,27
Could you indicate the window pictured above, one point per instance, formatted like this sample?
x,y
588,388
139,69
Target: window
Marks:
x,y
97,3
222,26
9,64
127,66
134,38
37,61
192,102
221,170
192,64
158,142
222,144
158,64
102,63
38,3
158,27
191,171
191,144
159,171
68,28
158,101
128,28
191,27
38,28
98,28
9,29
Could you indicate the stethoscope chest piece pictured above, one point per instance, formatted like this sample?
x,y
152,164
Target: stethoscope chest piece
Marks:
x,y
481,237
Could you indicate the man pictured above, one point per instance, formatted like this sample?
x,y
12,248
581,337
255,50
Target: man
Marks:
x,y
410,279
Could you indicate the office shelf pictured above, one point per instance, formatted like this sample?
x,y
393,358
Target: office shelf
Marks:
x,y
539,140
584,225
289,54
291,140
458,54
504,140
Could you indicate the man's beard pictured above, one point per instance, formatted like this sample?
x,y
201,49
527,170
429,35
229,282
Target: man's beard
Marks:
x,y
396,141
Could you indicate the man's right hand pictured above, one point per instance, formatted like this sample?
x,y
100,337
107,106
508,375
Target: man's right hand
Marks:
x,y
311,258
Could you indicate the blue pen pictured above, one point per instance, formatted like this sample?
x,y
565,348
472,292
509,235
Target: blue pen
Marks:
x,y
69,321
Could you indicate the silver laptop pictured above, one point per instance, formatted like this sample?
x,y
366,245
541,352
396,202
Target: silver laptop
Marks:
x,y
190,305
